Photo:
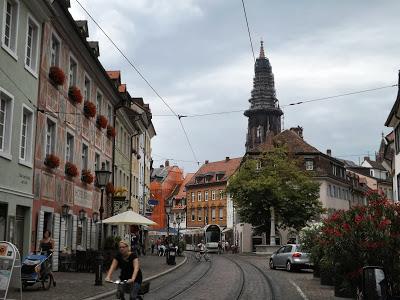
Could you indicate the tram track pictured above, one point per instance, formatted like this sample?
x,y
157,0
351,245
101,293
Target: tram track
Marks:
x,y
242,277
192,283
267,278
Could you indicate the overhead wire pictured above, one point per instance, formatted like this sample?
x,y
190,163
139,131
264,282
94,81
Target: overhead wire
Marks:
x,y
142,76
248,30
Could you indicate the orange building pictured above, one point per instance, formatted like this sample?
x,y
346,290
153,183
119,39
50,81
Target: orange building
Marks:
x,y
206,196
165,180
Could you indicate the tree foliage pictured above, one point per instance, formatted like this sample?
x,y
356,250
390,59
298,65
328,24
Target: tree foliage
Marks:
x,y
279,182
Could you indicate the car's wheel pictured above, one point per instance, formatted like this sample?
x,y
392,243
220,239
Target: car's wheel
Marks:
x,y
271,264
289,266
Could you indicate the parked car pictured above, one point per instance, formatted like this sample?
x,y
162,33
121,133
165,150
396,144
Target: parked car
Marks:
x,y
290,257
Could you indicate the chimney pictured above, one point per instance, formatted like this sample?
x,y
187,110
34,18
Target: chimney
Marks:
x,y
298,130
366,158
329,152
206,162
161,166
227,158
167,163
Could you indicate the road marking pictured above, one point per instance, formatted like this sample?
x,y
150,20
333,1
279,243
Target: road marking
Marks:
x,y
299,290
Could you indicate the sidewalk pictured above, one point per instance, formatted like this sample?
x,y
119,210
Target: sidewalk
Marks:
x,y
71,285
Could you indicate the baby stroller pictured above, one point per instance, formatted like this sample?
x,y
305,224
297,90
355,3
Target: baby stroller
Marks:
x,y
37,269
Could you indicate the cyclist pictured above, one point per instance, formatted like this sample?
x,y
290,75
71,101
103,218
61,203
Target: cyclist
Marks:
x,y
128,262
203,250
47,246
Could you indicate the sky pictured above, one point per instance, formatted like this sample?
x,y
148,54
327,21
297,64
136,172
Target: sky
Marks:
x,y
197,55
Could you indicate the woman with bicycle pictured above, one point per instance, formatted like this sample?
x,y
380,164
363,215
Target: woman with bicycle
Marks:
x,y
46,246
128,262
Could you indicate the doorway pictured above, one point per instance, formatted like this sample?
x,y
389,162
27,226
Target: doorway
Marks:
x,y
20,228
3,221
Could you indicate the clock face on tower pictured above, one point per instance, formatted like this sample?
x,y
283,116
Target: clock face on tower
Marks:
x,y
264,114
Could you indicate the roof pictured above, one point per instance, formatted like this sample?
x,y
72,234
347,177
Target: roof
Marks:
x,y
114,74
227,166
182,189
348,163
122,88
294,142
160,174
394,108
375,164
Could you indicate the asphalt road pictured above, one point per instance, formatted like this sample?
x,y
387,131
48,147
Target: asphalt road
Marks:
x,y
235,277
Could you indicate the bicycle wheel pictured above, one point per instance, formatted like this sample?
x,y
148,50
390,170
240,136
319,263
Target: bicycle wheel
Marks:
x,y
47,281
207,257
197,256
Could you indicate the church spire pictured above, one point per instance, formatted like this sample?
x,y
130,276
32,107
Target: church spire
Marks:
x,y
262,54
264,113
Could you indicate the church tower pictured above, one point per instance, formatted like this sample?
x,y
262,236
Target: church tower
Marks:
x,y
264,113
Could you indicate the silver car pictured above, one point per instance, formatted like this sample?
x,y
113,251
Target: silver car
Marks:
x,y
290,257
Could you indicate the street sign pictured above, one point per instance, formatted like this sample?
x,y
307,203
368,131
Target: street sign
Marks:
x,y
152,202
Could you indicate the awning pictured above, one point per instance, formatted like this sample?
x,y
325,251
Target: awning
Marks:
x,y
226,230
128,218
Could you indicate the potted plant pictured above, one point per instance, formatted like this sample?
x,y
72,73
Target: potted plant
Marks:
x,y
71,170
101,121
111,133
87,177
56,76
110,188
52,161
89,109
75,95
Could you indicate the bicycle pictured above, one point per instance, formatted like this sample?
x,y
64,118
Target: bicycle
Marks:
x,y
126,289
199,255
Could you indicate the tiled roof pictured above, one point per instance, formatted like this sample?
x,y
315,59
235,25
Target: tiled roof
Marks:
x,y
375,164
160,174
294,142
122,88
227,166
182,190
114,74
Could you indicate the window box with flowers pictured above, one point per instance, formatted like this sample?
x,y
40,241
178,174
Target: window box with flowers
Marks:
x,y
87,177
71,170
111,133
52,161
74,94
56,76
102,122
110,188
89,109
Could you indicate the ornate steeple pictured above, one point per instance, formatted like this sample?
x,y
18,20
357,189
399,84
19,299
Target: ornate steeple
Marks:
x,y
264,113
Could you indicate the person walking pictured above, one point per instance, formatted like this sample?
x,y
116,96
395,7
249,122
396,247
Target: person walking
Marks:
x,y
152,246
128,262
46,245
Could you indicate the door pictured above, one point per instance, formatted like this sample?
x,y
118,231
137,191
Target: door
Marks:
x,y
278,256
3,221
19,228
287,252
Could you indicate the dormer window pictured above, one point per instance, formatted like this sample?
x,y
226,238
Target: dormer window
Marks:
x,y
199,179
309,165
219,177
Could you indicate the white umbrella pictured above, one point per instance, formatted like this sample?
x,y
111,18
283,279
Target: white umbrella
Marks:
x,y
128,218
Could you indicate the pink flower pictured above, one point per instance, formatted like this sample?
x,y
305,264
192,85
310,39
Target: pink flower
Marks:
x,y
346,227
358,219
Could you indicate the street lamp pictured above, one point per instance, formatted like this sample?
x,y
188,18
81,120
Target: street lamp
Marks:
x,y
102,178
95,217
178,221
167,211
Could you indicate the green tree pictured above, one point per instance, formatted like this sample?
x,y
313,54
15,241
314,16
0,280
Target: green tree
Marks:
x,y
275,180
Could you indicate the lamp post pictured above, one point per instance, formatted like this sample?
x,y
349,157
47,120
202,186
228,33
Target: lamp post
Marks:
x,y
102,178
178,221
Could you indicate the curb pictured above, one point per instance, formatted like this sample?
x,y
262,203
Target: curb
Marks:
x,y
110,293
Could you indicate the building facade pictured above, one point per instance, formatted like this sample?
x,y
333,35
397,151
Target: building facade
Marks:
x,y
179,203
207,200
21,24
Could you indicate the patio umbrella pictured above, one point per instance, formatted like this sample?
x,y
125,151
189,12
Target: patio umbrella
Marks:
x,y
128,218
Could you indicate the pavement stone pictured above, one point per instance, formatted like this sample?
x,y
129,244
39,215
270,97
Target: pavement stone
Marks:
x,y
73,285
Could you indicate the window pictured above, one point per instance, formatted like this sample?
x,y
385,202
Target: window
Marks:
x,y
10,28
193,215
329,190
258,165
206,196
87,89
199,212
334,192
198,196
212,195
219,177
221,194
193,197
72,72
85,154
213,213
339,193
221,213
397,138
99,100
309,165
69,151
25,151
108,165
6,110
97,165
54,51
50,137
32,45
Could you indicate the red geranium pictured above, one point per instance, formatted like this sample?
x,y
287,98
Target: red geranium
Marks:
x,y
358,219
75,94
102,121
71,170
89,109
111,131
52,161
87,176
56,75
384,223
110,188
346,227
